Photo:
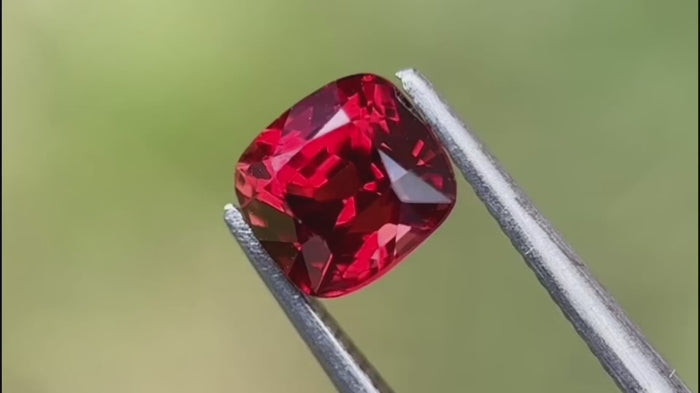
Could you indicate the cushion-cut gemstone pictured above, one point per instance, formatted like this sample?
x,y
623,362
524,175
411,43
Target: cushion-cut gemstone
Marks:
x,y
344,185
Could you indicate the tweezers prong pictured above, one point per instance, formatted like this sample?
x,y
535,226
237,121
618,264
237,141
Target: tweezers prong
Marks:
x,y
349,371
620,347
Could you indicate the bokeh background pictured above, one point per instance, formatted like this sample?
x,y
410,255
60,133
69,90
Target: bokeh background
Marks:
x,y
122,121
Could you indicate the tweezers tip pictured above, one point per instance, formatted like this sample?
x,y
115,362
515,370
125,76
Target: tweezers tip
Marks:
x,y
408,73
233,217
401,74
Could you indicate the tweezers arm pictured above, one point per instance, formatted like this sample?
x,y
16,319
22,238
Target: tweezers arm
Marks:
x,y
349,371
622,350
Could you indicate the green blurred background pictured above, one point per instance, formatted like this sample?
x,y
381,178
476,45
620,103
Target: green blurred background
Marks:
x,y
122,121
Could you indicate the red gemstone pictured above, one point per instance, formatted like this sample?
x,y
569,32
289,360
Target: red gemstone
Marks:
x,y
345,184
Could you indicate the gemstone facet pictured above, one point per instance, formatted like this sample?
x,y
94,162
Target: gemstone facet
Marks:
x,y
344,185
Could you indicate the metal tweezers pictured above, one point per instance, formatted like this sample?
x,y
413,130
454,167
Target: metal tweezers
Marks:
x,y
599,320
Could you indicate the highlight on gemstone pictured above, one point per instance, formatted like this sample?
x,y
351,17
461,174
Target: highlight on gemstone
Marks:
x,y
344,185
